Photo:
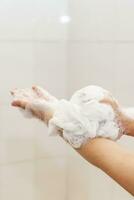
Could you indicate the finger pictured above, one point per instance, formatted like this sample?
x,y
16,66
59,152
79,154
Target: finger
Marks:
x,y
113,103
20,104
23,94
43,93
39,91
29,107
12,92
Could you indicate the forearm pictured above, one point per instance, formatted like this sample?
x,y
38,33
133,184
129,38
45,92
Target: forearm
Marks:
x,y
112,159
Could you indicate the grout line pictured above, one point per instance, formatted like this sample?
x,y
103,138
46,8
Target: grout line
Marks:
x,y
32,40
34,159
69,41
103,41
67,179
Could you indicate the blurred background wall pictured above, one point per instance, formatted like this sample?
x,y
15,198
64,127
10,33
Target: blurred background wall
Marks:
x,y
62,45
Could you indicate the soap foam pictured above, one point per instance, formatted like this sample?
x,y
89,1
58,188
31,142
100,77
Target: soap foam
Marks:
x,y
129,112
84,117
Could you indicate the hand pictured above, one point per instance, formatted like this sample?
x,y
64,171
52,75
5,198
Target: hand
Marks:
x,y
37,101
123,120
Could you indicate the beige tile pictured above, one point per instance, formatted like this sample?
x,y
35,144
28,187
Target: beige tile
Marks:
x,y
83,25
17,182
87,182
25,64
107,21
29,20
16,150
16,19
93,64
92,20
16,66
46,147
50,146
3,152
127,142
120,193
78,179
50,67
47,24
102,185
13,124
51,179
124,73
126,16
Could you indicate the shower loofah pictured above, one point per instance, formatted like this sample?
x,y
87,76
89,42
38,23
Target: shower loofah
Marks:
x,y
84,117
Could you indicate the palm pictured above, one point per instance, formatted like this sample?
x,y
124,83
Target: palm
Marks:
x,y
36,100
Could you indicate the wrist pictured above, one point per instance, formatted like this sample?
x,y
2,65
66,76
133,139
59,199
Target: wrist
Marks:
x,y
127,124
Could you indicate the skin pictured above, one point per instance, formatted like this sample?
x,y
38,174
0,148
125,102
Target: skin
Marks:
x,y
105,154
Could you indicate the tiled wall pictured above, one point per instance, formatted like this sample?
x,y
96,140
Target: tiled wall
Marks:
x,y
36,47
32,51
101,51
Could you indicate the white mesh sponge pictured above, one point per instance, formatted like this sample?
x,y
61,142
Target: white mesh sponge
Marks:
x,y
84,117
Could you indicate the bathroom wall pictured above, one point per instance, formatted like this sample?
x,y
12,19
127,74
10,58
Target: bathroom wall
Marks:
x,y
101,52
32,52
62,45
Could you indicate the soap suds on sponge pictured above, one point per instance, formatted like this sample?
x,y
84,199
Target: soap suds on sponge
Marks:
x,y
129,112
84,117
